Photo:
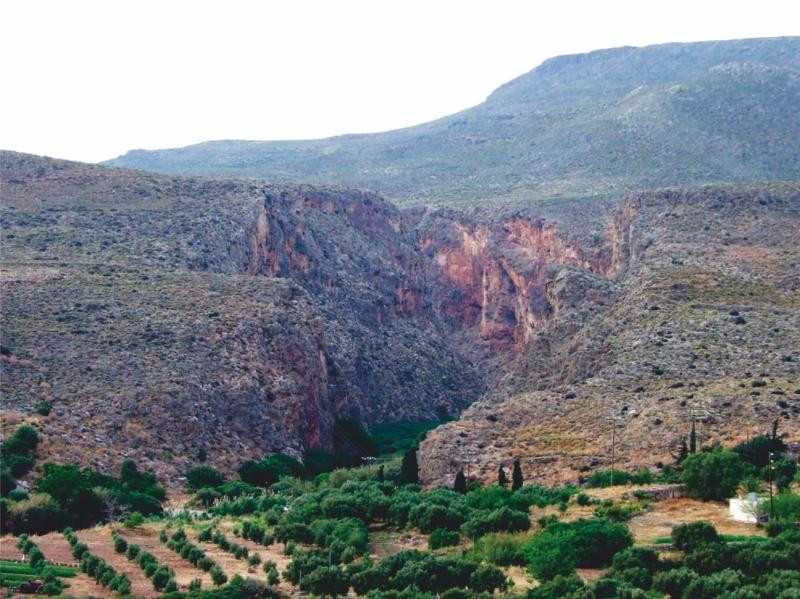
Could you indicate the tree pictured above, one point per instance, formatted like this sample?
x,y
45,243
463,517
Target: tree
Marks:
x,y
409,470
203,476
460,484
502,479
516,476
693,440
688,537
712,475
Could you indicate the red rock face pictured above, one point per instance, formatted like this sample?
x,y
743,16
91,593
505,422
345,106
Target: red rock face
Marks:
x,y
496,280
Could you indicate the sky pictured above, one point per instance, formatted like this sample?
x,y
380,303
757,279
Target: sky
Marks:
x,y
88,80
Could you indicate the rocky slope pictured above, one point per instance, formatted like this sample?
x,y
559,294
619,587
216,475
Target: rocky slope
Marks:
x,y
264,312
592,125
699,319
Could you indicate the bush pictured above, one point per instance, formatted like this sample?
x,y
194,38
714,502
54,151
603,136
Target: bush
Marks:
x,y
218,576
269,470
134,520
203,476
327,580
688,537
714,585
787,506
673,582
712,474
585,543
500,549
160,577
502,519
120,544
617,512
443,538
560,586
485,579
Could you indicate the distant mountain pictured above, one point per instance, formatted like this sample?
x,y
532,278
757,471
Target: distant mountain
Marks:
x,y
586,125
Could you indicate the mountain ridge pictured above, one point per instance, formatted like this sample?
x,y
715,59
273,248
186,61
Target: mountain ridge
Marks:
x,y
555,132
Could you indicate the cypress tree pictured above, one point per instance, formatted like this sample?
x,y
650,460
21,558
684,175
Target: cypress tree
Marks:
x,y
460,485
409,470
516,476
502,479
381,474
693,440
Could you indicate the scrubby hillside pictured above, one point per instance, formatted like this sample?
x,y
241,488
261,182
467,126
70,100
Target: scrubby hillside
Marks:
x,y
590,125
160,315
699,320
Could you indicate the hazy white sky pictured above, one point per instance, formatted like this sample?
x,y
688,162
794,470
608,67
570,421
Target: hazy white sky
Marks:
x,y
88,80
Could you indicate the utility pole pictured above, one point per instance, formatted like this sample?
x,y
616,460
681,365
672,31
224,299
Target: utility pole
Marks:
x,y
613,446
771,499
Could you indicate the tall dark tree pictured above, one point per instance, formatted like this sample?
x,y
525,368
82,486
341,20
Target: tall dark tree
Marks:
x,y
516,476
381,474
502,479
460,484
693,440
409,470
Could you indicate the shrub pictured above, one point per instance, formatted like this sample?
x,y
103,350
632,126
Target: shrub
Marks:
x,y
485,579
688,537
160,577
134,520
560,586
712,474
714,585
585,543
617,512
327,580
120,544
500,548
443,538
203,476
218,576
133,552
269,470
502,519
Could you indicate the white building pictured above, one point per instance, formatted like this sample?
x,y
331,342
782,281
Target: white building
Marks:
x,y
746,509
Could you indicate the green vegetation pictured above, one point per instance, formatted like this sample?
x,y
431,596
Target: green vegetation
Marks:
x,y
563,546
603,478
16,575
97,567
17,457
67,495
713,474
399,437
180,544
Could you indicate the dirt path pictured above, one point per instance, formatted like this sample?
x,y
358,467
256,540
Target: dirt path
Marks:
x,y
100,544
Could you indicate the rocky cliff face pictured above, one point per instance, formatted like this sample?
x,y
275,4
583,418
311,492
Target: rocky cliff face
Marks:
x,y
697,320
495,281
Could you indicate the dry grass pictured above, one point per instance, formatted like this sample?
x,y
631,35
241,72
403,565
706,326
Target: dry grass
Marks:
x,y
658,522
